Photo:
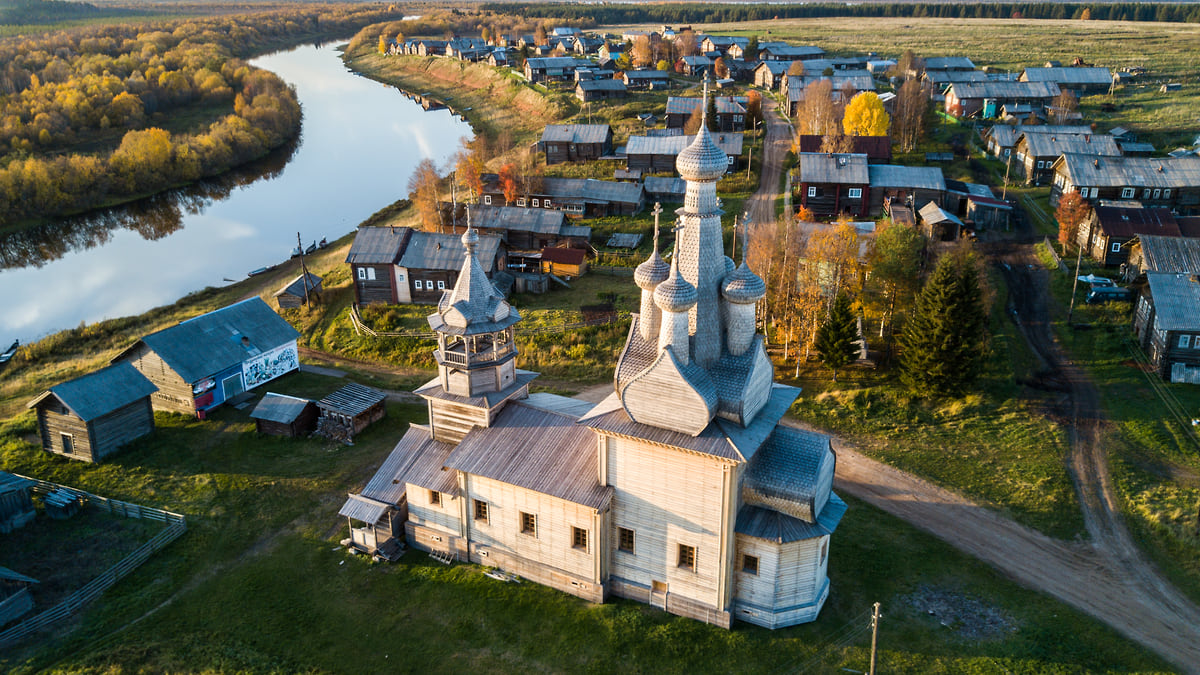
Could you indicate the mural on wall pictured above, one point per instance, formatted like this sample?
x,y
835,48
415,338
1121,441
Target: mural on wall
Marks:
x,y
270,365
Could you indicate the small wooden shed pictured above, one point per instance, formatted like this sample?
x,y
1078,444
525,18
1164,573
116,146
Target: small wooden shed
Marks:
x,y
92,416
16,506
293,295
564,262
349,410
283,415
15,598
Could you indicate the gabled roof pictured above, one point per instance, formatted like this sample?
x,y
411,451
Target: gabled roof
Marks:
x,y
647,74
564,256
1153,172
731,143
1053,145
556,62
682,105
1176,300
820,167
518,218
439,251
279,408
1004,90
948,63
1127,222
576,133
604,84
99,393
665,185
296,287
378,245
777,68
695,61
1170,254
874,147
932,213
9,575
416,459
785,51
352,399
536,449
592,190
1069,76
915,177
207,344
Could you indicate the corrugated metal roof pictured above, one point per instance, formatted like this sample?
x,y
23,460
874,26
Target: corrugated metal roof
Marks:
x,y
1053,145
1069,75
604,84
860,80
665,185
785,50
683,105
755,521
352,399
9,575
1176,300
1170,254
536,449
438,251
820,167
948,62
944,77
697,61
207,344
1121,221
731,143
10,482
932,213
556,62
1153,172
916,177
99,393
576,133
590,189
363,509
279,408
377,245
517,218
647,75
1005,90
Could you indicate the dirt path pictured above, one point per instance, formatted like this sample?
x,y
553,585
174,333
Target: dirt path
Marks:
x,y
761,206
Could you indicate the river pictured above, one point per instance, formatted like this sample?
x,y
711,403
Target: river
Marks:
x,y
360,142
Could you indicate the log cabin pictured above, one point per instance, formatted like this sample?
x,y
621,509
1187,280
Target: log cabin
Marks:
x,y
681,490
1108,231
1167,323
575,142
1171,182
967,99
904,185
346,412
16,506
303,289
400,265
91,417
830,184
204,361
600,90
283,415
569,263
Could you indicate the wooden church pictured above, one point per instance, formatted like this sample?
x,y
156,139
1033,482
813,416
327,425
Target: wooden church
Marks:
x,y
681,490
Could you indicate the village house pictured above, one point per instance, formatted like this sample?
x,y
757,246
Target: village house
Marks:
x,y
1151,253
400,265
499,58
722,43
936,82
575,142
553,68
843,86
1002,138
16,506
1037,152
646,79
600,89
611,50
212,358
1111,226
585,45
91,417
1167,323
578,197
878,149
986,212
681,490
904,185
528,228
832,184
731,112
968,99
427,47
769,74
283,415
1080,81
695,66
781,51
658,154
1172,182
946,63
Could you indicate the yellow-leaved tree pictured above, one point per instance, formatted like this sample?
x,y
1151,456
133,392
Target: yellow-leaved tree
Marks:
x,y
865,116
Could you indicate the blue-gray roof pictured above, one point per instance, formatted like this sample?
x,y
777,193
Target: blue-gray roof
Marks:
x,y
577,133
207,344
916,177
438,251
684,105
377,245
948,62
755,521
1176,300
11,482
9,575
99,393
280,408
606,84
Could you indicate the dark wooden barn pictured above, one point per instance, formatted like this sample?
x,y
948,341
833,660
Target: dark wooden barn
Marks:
x,y
15,598
283,415
16,506
91,417
293,295
349,410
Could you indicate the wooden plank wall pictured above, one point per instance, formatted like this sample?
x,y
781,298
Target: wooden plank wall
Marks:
x,y
451,421
53,421
173,395
442,517
121,426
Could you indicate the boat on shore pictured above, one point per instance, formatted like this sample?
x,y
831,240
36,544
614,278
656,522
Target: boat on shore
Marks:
x,y
261,270
10,352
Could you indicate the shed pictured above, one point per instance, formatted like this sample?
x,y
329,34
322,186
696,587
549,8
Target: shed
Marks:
x,y
293,295
629,240
599,90
91,417
939,225
564,262
283,415
62,503
16,506
209,359
349,410
15,598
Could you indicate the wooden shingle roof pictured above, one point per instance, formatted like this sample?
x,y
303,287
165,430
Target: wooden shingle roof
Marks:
x,y
761,523
352,399
99,393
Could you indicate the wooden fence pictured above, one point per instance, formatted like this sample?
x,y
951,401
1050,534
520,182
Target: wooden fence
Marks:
x,y
1062,267
361,328
176,525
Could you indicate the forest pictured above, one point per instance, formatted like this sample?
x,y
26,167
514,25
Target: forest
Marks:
x,y
726,13
103,114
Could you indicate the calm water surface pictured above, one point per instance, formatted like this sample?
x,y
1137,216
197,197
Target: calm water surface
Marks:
x,y
360,142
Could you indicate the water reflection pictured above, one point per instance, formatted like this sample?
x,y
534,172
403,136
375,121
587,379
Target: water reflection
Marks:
x,y
360,143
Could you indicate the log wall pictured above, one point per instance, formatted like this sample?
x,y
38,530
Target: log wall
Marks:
x,y
53,422
173,395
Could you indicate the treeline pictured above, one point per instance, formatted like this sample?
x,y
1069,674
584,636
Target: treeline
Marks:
x,y
447,23
26,12
725,13
111,89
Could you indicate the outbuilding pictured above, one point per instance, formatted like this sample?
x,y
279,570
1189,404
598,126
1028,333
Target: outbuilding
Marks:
x,y
349,410
16,506
91,417
564,262
15,598
301,290
1167,323
283,415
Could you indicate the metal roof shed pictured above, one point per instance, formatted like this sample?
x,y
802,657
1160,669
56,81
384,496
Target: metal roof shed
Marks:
x,y
349,410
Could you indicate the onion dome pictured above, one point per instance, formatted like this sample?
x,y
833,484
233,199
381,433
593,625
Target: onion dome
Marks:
x,y
743,287
729,266
652,272
702,160
675,294
469,239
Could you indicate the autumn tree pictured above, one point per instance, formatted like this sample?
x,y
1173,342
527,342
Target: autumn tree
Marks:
x,y
944,340
509,182
865,116
818,113
1063,105
720,69
906,64
469,166
382,44
836,142
836,336
692,125
796,69
539,35
641,53
425,192
662,65
753,106
912,105
1071,211
1086,14
895,265
686,44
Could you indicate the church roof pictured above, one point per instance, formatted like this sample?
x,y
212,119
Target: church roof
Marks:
x,y
416,459
474,306
756,521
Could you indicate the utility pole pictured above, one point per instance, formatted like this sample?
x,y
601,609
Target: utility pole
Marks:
x,y
303,268
874,636
749,162
1075,283
1007,167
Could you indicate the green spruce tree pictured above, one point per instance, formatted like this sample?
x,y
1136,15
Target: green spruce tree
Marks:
x,y
836,337
944,338
713,123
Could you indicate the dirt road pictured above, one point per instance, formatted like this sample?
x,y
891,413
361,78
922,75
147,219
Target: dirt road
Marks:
x,y
761,206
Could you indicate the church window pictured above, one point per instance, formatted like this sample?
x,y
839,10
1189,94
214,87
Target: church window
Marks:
x,y
528,523
579,538
625,539
481,510
687,557
750,564
824,551
435,498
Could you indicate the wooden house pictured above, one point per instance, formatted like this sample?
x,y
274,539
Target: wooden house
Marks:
x,y
938,224
283,415
1167,323
665,189
611,50
553,68
209,359
1079,80
15,597
1002,138
91,417
1108,231
843,85
302,289
658,154
400,265
722,43
1151,253
585,45
904,185
430,47
731,112
646,79
878,149
372,258
682,490
781,51
967,99
769,74
1037,152
348,411
575,142
830,184
16,506
600,90
580,197
569,263
529,228
947,63
1170,182
936,82
987,213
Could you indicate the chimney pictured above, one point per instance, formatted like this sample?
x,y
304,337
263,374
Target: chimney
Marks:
x,y
1096,163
